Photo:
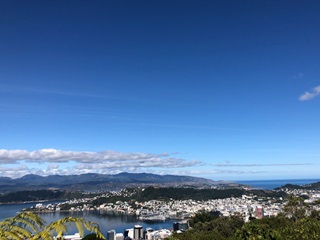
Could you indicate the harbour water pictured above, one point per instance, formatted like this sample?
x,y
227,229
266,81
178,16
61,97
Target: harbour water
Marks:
x,y
120,222
109,221
9,210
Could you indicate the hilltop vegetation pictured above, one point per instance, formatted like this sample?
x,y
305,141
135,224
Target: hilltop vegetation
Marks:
x,y
297,222
27,225
311,186
200,194
137,194
40,195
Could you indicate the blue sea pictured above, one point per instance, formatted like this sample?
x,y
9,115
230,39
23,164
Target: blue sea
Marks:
x,y
272,184
118,222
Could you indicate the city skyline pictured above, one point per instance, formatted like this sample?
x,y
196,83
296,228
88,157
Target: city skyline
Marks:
x,y
224,90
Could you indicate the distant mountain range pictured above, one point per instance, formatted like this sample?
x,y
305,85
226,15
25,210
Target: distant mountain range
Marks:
x,y
99,182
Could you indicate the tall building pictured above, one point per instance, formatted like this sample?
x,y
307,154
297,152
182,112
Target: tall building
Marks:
x,y
175,226
259,212
137,232
182,226
111,235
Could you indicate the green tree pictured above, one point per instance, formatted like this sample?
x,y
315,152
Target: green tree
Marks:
x,y
256,230
295,208
92,236
60,228
305,228
22,226
203,216
211,228
27,225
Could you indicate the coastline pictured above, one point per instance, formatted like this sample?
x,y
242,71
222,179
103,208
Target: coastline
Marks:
x,y
26,202
274,183
252,184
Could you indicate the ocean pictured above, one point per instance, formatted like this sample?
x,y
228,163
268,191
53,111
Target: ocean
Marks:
x,y
272,184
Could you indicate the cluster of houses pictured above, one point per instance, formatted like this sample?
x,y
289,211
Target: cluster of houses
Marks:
x,y
246,206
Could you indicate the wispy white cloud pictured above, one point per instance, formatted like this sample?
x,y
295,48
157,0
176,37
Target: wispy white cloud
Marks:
x,y
17,171
22,170
54,155
309,95
105,159
17,163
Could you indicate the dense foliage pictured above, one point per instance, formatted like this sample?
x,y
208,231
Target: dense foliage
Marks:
x,y
24,196
189,193
298,221
150,193
92,236
37,195
27,225
310,186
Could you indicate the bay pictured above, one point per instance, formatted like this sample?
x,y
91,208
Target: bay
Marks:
x,y
10,210
118,222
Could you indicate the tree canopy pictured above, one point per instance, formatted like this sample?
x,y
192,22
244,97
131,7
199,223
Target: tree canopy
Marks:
x,y
27,225
298,221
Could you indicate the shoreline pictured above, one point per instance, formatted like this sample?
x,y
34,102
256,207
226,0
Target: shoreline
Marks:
x,y
26,202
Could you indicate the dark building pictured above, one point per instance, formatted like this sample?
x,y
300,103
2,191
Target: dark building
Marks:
x,y
182,226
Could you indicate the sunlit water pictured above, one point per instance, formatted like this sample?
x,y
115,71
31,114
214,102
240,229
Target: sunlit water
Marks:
x,y
272,184
109,221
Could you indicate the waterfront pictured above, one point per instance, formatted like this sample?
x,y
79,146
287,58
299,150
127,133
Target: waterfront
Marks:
x,y
10,210
121,221
109,221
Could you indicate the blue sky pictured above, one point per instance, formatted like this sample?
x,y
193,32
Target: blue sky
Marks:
x,y
218,89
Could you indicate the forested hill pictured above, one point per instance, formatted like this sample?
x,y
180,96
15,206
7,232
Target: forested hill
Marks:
x,y
99,182
145,194
310,186
40,195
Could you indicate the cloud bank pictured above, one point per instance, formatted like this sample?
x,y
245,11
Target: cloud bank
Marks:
x,y
108,158
309,95
44,162
17,163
